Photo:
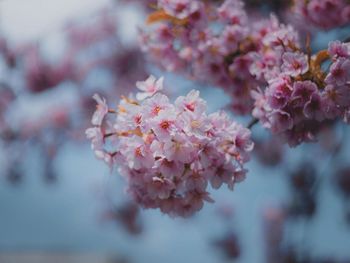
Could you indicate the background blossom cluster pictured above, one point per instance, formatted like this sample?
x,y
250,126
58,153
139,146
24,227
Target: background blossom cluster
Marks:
x,y
214,44
301,96
260,62
169,153
209,43
325,14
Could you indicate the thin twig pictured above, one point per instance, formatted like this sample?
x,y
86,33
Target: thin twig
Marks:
x,y
252,123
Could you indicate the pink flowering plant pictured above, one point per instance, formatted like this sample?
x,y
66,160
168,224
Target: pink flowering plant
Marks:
x,y
283,65
259,61
205,42
301,96
324,14
170,153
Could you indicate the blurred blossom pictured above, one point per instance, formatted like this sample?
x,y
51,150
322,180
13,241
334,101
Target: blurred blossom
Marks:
x,y
128,215
228,246
337,12
270,152
273,224
40,75
225,211
302,181
343,181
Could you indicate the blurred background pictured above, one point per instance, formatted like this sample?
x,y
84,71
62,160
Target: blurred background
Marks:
x,y
59,204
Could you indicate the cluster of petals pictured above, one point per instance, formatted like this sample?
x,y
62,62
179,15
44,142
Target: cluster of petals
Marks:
x,y
324,14
169,153
180,9
216,44
206,42
301,96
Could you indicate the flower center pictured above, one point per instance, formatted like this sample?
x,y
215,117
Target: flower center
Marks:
x,y
180,7
337,72
190,106
156,110
165,124
152,89
296,65
138,151
137,119
195,124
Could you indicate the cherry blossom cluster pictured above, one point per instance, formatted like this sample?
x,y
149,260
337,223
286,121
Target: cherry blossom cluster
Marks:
x,y
325,14
301,95
206,42
222,45
170,152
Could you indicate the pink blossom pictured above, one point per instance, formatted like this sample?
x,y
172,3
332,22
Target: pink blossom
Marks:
x,y
232,11
223,174
302,91
232,36
164,124
101,110
297,101
241,140
169,153
294,64
137,153
261,108
105,156
279,92
338,49
313,12
280,121
313,108
149,87
179,8
130,117
172,169
281,37
194,124
263,66
96,136
179,148
196,181
155,105
219,120
206,54
192,102
339,95
160,188
339,72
